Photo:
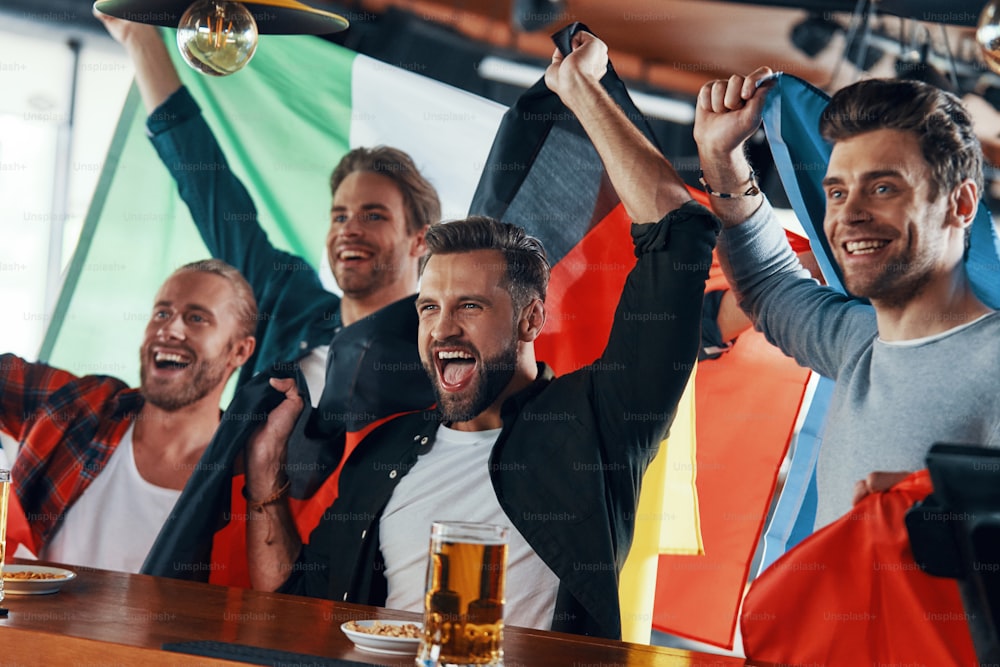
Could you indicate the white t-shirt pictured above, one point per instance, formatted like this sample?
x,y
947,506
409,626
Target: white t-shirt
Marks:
x,y
313,367
116,520
452,483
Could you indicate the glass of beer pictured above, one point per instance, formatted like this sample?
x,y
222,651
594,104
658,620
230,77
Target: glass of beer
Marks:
x,y
4,495
463,603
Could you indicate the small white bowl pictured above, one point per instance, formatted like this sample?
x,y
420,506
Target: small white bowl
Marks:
x,y
372,643
45,586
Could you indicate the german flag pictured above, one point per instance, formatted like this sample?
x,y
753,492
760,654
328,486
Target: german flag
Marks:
x,y
544,174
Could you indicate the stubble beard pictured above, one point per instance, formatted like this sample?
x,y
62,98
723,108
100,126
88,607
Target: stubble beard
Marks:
x,y
493,376
902,279
207,376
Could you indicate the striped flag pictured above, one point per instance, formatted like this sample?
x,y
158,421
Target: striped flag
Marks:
x,y
705,497
545,175
283,122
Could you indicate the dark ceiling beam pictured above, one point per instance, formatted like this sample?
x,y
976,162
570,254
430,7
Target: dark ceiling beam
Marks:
x,y
954,12
76,13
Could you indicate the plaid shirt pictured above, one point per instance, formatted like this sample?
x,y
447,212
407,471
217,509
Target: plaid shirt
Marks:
x,y
67,426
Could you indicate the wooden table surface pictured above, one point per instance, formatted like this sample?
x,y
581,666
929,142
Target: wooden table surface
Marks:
x,y
112,618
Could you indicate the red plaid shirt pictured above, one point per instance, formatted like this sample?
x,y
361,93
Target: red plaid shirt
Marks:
x,y
67,426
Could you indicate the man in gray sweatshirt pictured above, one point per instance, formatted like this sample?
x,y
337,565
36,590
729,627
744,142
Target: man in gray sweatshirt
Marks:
x,y
920,364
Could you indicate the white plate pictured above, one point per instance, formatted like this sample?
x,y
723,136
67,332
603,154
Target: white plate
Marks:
x,y
36,586
381,643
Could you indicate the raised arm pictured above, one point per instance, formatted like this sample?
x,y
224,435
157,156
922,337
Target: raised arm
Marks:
x,y
655,338
792,310
646,182
220,205
728,113
155,74
222,208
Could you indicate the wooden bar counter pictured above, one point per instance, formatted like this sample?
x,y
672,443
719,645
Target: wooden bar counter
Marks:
x,y
111,618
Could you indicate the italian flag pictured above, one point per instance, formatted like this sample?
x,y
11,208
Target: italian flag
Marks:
x,y
283,122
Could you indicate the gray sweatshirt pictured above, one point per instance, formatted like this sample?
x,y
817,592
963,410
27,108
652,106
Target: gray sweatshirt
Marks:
x,y
892,401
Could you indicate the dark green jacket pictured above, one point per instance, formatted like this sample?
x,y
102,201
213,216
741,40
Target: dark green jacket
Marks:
x,y
296,313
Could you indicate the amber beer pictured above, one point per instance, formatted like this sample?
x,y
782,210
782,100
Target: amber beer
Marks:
x,y
4,495
463,604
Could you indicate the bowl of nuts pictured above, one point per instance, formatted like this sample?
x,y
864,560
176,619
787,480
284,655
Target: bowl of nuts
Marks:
x,y
34,579
388,637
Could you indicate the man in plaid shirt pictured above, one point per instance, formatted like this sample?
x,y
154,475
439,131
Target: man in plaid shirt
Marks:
x,y
88,500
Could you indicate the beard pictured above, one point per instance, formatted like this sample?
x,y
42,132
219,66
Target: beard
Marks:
x,y
493,376
900,280
195,383
359,282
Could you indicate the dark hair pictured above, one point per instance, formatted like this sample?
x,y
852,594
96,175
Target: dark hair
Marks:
x,y
423,208
941,124
527,269
246,304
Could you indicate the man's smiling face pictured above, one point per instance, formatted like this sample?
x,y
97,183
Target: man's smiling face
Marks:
x,y
887,233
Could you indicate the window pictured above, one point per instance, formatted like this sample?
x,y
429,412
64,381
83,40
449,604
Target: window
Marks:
x,y
52,150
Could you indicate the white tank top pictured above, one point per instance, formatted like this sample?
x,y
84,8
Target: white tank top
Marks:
x,y
115,522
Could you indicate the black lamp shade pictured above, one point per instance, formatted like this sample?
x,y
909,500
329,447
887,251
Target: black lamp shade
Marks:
x,y
273,17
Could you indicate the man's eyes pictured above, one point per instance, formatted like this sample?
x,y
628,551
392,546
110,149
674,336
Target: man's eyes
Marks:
x,y
364,217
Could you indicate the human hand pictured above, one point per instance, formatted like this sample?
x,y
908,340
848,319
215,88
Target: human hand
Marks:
x,y
154,71
877,482
125,32
266,448
728,112
588,62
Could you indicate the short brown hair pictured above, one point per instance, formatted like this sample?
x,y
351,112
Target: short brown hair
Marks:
x,y
527,268
941,124
246,304
423,208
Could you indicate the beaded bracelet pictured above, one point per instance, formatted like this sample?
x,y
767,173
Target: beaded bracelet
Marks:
x,y
258,506
752,191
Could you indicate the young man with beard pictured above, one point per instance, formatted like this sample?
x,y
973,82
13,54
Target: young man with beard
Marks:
x,y
380,210
558,460
100,465
919,365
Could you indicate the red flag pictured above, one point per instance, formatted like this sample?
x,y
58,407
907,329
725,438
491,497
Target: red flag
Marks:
x,y
851,594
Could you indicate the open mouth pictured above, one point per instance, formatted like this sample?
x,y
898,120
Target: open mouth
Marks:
x,y
352,255
456,368
170,360
865,247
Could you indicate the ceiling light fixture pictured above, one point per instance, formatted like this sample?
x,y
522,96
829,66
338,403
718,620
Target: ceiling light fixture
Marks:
x,y
219,37
988,34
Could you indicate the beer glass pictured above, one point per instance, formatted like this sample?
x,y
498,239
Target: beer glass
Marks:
x,y
464,598
4,494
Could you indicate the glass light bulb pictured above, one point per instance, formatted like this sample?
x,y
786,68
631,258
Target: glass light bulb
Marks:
x,y
988,34
217,37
